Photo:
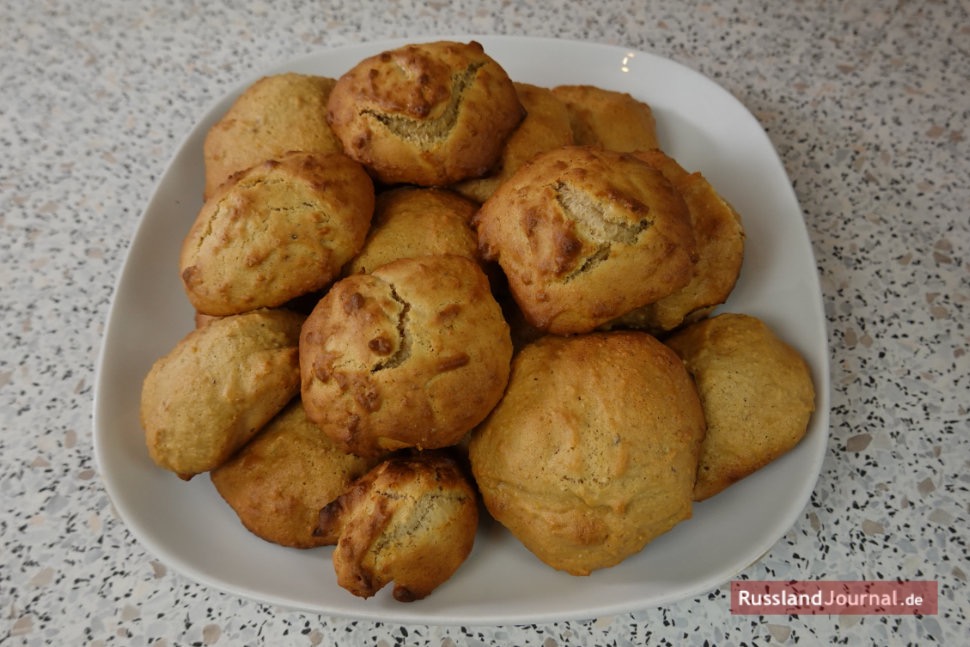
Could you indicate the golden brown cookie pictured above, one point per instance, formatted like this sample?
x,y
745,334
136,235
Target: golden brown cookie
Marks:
x,y
278,483
218,387
592,452
416,221
414,354
719,235
411,520
275,115
613,120
546,126
430,114
586,235
757,394
285,228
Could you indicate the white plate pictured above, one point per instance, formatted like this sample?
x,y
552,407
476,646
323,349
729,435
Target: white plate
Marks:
x,y
189,527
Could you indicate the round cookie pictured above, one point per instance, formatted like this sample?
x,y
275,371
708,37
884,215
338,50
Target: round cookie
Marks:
x,y
285,228
430,114
586,235
592,452
719,235
416,221
218,387
278,483
275,115
411,520
613,120
413,354
757,394
546,126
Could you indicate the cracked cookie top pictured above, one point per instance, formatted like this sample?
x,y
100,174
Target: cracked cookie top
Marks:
x,y
280,230
414,354
585,235
429,114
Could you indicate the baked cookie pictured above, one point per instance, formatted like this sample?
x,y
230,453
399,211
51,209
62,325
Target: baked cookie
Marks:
x,y
218,387
757,394
586,235
430,114
613,120
546,126
592,452
278,483
275,115
285,228
411,520
413,354
719,235
416,221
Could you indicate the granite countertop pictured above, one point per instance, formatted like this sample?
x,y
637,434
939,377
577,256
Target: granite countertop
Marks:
x,y
867,104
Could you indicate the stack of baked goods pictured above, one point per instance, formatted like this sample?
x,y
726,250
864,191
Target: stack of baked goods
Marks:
x,y
423,284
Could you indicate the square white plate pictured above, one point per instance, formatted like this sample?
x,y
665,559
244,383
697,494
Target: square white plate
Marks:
x,y
190,528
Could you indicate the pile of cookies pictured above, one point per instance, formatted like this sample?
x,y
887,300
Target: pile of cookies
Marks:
x,y
423,285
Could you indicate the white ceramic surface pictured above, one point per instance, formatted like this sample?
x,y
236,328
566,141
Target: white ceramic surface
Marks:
x,y
187,525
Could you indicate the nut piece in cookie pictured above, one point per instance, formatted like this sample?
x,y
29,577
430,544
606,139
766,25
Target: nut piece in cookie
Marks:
x,y
417,221
606,118
411,520
218,387
275,115
757,393
283,229
586,235
280,480
428,113
546,126
413,354
593,450
719,236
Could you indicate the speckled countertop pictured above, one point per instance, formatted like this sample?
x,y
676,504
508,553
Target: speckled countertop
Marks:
x,y
868,105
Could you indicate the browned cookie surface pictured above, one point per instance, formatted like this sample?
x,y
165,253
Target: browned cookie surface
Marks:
x,y
278,483
757,393
593,450
218,387
430,114
417,221
283,229
411,520
719,236
414,354
586,235
614,120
